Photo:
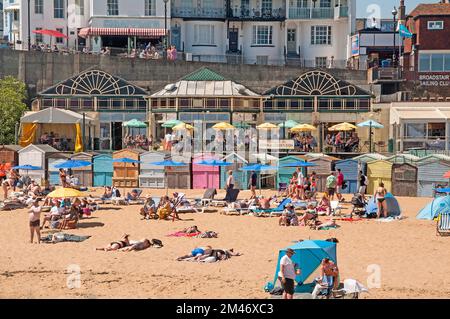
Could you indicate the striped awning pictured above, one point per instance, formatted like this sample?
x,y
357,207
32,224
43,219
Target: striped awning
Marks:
x,y
138,32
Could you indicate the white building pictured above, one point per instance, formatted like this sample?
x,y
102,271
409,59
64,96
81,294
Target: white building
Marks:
x,y
1,20
125,24
65,16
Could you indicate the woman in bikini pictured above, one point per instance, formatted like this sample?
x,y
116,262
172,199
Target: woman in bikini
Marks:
x,y
63,177
380,196
116,245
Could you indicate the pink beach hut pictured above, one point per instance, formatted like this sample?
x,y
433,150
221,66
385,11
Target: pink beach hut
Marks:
x,y
204,176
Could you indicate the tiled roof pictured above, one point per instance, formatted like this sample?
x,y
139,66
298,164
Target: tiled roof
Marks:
x,y
204,74
431,9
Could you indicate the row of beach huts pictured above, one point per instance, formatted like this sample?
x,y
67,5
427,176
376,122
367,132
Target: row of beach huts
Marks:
x,y
402,174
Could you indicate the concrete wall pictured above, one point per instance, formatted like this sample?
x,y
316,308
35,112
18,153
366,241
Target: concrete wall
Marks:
x,y
42,70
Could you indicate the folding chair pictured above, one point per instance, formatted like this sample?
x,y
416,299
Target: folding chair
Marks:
x,y
443,224
336,208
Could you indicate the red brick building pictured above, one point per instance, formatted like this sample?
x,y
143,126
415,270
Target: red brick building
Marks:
x,y
427,53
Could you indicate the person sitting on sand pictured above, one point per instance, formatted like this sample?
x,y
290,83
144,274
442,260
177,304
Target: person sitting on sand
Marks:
x,y
134,195
149,210
116,245
289,217
75,213
165,208
107,194
324,205
55,214
33,189
309,215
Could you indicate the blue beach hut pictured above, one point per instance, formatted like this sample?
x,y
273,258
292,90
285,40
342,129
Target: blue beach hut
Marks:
x,y
350,169
240,177
285,173
103,170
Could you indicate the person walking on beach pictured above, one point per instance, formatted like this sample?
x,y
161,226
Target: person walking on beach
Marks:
x,y
331,185
230,181
35,221
363,181
339,185
252,186
380,196
287,274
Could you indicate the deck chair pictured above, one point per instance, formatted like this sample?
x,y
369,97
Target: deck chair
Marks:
x,y
230,197
336,208
443,224
207,198
273,211
139,200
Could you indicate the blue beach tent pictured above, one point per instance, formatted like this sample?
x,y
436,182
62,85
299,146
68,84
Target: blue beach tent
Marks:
x,y
392,206
432,210
308,256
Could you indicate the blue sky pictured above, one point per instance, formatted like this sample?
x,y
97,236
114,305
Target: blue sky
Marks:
x,y
384,7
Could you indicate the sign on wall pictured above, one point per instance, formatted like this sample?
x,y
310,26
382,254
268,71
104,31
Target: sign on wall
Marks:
x,y
355,45
433,79
276,144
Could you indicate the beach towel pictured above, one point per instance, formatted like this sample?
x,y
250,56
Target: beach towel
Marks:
x,y
329,227
62,237
182,234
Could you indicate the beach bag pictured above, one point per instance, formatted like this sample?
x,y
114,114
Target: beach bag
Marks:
x,y
276,291
157,242
344,184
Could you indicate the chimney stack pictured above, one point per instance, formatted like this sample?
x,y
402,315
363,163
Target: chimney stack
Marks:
x,y
402,11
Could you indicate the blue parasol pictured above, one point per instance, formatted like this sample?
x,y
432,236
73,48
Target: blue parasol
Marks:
x,y
298,164
73,164
370,124
27,167
126,160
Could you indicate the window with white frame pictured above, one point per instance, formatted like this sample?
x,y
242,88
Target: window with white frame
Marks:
x,y
38,37
320,34
150,7
38,6
435,25
112,7
266,6
79,7
434,62
59,9
203,34
262,35
60,40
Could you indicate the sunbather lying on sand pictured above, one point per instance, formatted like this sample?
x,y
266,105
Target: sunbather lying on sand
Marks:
x,y
208,254
140,245
116,245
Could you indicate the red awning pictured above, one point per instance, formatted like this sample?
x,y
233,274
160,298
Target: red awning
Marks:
x,y
138,32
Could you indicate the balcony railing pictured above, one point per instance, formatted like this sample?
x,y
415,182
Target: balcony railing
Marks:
x,y
389,74
245,13
311,13
195,12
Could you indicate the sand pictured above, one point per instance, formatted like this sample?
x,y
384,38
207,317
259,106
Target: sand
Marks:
x,y
413,261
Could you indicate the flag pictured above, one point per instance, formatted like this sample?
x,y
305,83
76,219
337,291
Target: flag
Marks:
x,y
404,32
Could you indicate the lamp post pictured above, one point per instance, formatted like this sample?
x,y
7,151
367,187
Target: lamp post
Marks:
x,y
394,55
165,28
29,24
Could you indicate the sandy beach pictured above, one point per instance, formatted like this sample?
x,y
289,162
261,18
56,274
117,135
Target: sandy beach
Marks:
x,y
414,262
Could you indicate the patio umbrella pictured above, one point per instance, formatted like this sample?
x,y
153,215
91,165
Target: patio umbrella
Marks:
x,y
27,168
303,128
73,164
182,126
171,123
168,163
65,193
343,127
267,126
213,163
223,126
370,124
135,124
51,33
259,168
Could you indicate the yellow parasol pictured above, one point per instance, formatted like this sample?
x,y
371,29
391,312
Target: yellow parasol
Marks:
x,y
223,126
267,126
303,128
343,127
182,126
65,193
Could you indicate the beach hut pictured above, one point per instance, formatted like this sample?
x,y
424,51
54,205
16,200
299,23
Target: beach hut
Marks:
x,y
152,176
84,174
36,155
53,172
366,158
379,171
284,174
179,177
204,176
126,174
350,169
324,165
9,154
403,158
240,177
430,171
404,180
102,170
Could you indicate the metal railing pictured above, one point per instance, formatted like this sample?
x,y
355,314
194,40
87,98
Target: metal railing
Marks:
x,y
384,74
311,13
195,12
245,13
